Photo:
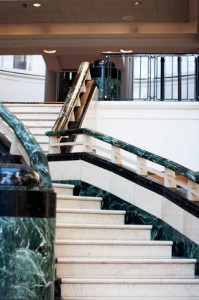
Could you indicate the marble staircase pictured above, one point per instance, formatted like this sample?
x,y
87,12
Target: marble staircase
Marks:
x,y
38,118
99,257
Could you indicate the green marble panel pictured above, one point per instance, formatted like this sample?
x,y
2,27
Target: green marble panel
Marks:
x,y
27,258
38,159
109,88
182,246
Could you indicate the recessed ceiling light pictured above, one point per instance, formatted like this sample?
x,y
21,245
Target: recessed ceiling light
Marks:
x,y
126,51
50,51
128,18
137,3
37,4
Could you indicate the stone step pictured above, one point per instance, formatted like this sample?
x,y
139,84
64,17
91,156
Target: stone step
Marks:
x,y
79,202
63,189
44,147
91,216
117,249
37,129
169,289
34,108
41,138
103,232
38,123
128,298
123,268
36,116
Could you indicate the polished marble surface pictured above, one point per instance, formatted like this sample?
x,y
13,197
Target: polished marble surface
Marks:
x,y
27,258
71,97
19,176
174,195
182,246
37,158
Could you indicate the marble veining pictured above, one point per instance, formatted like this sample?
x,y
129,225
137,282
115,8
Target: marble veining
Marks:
x,y
38,159
182,246
107,78
27,258
71,97
179,169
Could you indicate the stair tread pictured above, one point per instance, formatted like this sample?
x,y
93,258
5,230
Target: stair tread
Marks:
x,y
125,260
85,198
91,211
58,185
112,242
194,280
106,226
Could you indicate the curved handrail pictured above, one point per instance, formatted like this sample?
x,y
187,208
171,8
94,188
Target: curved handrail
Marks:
x,y
38,159
179,169
72,96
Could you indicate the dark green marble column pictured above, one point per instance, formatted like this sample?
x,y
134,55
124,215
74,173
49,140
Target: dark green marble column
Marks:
x,y
27,233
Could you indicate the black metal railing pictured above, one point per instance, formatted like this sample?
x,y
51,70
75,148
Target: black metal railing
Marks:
x,y
147,77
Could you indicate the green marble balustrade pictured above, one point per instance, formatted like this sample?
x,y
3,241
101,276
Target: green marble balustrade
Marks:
x,y
38,159
179,169
71,97
27,224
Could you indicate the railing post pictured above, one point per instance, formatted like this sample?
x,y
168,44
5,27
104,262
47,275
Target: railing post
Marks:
x,y
54,140
168,178
179,78
191,188
87,145
162,82
197,78
141,166
115,155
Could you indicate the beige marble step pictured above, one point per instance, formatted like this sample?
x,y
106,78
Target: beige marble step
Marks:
x,y
123,268
129,298
107,248
34,108
89,216
153,288
103,232
79,202
63,189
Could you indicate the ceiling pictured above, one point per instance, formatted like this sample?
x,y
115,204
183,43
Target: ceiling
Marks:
x,y
81,29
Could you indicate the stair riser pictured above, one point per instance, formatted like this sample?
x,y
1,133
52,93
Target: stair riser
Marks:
x,y
36,116
38,130
39,123
102,234
73,203
63,191
140,251
85,218
49,109
129,298
41,138
44,147
124,270
180,291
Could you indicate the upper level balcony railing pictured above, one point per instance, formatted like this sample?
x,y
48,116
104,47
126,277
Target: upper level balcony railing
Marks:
x,y
147,77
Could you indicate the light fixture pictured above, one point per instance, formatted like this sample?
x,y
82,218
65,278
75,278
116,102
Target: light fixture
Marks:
x,y
137,3
126,51
50,51
37,4
128,18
